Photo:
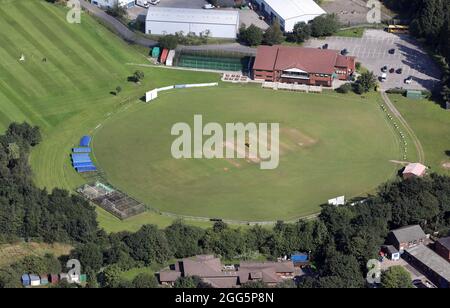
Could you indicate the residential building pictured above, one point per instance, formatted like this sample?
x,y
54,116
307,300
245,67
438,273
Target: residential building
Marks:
x,y
406,237
211,271
429,263
288,12
215,23
442,247
310,66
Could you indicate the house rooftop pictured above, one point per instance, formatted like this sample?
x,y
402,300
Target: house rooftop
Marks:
x,y
408,234
310,60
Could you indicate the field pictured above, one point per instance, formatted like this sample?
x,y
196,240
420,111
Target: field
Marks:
x,y
69,94
330,145
346,141
10,253
431,124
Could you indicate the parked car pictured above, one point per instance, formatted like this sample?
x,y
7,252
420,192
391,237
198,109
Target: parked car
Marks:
x,y
208,6
344,51
399,71
325,46
384,69
383,77
408,80
392,70
392,51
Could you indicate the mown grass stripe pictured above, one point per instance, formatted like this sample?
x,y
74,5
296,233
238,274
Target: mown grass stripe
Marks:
x,y
72,47
19,101
22,31
38,75
104,64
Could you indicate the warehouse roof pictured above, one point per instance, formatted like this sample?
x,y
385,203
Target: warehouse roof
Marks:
x,y
288,9
431,260
166,14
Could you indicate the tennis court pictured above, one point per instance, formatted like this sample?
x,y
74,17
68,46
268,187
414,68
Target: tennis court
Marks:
x,y
213,62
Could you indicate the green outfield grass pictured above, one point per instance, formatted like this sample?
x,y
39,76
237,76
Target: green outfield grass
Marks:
x,y
69,94
331,145
431,124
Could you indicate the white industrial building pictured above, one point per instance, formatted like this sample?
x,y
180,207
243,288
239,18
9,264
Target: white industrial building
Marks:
x,y
111,3
290,12
219,23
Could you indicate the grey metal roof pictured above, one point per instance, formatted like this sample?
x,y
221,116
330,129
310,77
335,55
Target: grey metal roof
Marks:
x,y
180,15
409,233
431,259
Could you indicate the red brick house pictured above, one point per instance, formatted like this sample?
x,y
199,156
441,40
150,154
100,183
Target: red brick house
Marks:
x,y
442,247
310,66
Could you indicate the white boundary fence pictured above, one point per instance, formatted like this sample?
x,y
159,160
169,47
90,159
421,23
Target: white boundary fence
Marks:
x,y
153,94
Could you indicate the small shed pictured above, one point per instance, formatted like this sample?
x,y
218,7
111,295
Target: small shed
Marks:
x,y
300,259
414,170
414,94
170,57
54,279
391,252
44,279
156,51
25,280
35,280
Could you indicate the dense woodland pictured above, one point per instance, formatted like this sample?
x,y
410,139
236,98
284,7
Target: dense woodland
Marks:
x,y
430,22
340,241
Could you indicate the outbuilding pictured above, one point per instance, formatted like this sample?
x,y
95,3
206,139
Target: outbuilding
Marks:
x,y
214,23
289,12
25,280
35,280
414,170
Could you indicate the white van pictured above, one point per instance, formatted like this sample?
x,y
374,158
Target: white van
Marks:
x,y
383,77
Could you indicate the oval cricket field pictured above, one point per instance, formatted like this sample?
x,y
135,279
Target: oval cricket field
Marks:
x,y
330,145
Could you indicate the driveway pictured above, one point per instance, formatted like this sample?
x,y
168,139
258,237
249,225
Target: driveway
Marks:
x,y
372,51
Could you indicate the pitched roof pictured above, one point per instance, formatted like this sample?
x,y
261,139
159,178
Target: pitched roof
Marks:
x,y
169,276
431,259
311,60
279,267
409,233
415,168
445,241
